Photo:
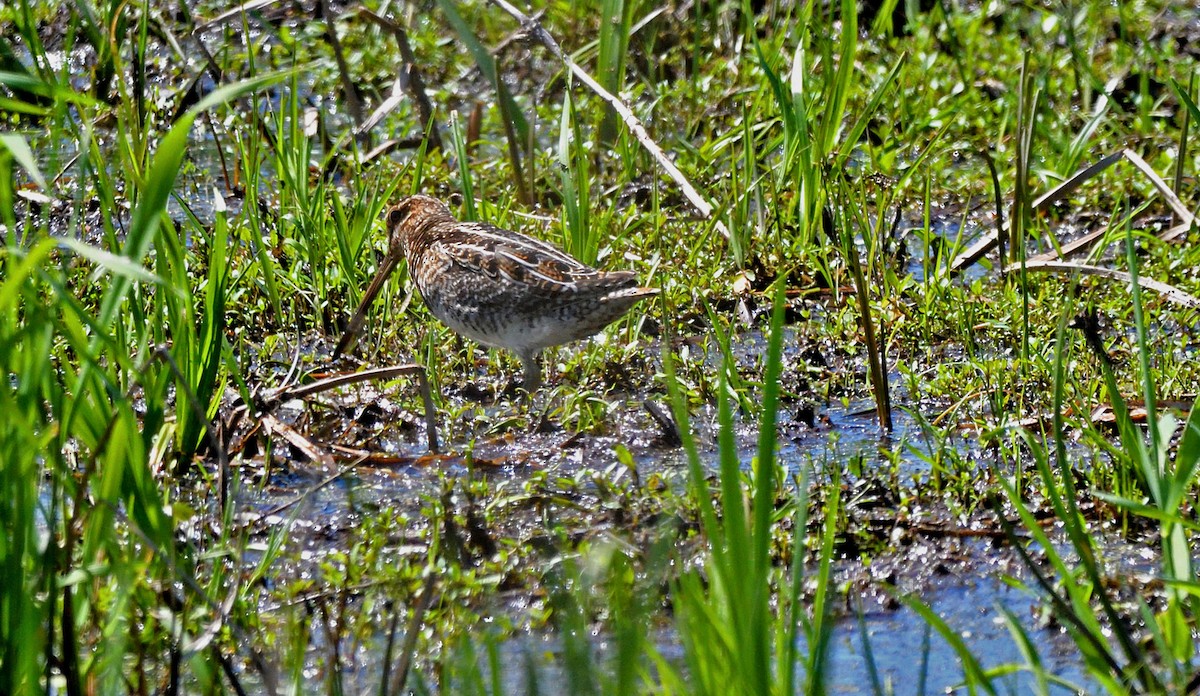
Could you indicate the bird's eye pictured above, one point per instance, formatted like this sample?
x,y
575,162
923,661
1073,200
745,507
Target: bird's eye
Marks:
x,y
396,216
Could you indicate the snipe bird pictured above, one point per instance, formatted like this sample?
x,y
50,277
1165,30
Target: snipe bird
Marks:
x,y
498,287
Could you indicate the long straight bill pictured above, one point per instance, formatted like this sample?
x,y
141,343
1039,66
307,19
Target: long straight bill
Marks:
x,y
351,335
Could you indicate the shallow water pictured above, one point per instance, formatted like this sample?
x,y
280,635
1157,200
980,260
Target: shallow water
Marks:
x,y
965,594
906,658
970,606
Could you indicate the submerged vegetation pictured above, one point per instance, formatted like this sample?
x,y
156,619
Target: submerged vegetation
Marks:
x,y
962,228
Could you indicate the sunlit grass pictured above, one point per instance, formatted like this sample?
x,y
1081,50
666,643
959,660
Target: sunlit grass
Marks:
x,y
135,318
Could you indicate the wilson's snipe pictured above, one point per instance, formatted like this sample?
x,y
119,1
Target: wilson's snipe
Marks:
x,y
501,288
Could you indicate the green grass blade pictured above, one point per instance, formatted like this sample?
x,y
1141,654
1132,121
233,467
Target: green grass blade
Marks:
x,y
974,676
487,65
18,147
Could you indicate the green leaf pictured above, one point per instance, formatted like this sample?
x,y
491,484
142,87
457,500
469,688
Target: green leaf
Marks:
x,y
974,676
25,83
19,149
28,265
1148,511
118,265
1187,457
1186,100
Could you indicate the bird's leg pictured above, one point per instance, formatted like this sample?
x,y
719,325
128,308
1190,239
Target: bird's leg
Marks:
x,y
536,403
533,371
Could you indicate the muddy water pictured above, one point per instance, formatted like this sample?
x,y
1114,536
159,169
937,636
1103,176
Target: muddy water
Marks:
x,y
908,658
959,578
966,592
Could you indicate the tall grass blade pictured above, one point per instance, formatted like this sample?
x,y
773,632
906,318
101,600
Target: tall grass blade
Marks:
x,y
975,677
516,127
160,181
575,178
18,149
616,20
465,180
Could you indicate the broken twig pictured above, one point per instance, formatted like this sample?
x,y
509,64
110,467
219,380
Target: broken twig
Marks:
x,y
301,391
1170,292
988,242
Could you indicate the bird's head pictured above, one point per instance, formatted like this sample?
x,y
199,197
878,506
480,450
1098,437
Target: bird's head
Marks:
x,y
412,217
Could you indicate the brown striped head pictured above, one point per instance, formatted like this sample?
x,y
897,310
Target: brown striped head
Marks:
x,y
414,219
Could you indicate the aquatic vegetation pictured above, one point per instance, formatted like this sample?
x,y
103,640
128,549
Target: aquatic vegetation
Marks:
x,y
925,334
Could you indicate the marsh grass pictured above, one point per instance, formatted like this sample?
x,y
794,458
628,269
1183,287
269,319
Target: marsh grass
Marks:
x,y
581,237
128,322
616,23
737,634
83,420
732,639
